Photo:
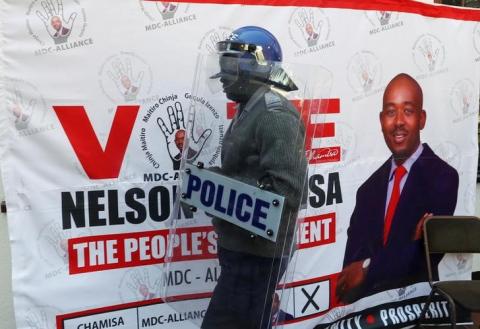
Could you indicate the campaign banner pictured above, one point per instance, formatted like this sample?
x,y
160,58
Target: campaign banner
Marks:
x,y
97,96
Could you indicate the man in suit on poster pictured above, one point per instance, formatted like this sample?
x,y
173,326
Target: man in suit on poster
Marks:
x,y
384,247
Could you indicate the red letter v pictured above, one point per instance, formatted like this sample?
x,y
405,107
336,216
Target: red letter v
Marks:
x,y
97,163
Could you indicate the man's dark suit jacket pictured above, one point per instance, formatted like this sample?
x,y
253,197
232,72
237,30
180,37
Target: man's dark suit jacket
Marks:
x,y
431,187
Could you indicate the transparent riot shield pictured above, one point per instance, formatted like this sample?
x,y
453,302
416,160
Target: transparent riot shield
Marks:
x,y
244,171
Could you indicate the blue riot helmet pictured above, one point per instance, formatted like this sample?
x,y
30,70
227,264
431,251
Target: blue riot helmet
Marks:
x,y
252,55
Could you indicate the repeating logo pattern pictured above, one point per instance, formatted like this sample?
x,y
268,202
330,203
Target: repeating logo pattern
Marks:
x,y
383,20
462,99
402,293
309,29
27,108
337,313
210,39
40,317
125,77
207,47
364,74
456,267
140,284
449,152
165,14
60,25
429,55
57,25
52,245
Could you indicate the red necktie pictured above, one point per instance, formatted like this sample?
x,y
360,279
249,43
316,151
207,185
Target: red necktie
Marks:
x,y
392,204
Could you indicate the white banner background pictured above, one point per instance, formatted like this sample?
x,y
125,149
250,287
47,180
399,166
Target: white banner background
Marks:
x,y
39,163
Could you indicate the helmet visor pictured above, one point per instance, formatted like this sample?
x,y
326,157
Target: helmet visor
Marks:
x,y
235,47
229,68
222,71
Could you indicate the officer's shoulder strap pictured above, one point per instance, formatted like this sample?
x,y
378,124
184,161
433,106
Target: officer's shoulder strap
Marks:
x,y
273,101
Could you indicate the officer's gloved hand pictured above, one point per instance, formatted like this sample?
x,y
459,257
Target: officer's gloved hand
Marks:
x,y
265,182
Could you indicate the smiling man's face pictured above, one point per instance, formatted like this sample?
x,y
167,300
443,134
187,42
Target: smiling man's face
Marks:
x,y
402,116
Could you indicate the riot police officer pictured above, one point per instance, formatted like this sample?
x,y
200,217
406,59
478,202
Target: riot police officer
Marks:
x,y
263,146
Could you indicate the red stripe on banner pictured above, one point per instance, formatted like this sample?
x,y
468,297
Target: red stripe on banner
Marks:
x,y
307,108
406,6
316,231
317,105
119,307
106,252
319,130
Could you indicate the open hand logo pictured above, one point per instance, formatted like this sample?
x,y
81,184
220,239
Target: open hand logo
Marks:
x,y
381,18
54,20
462,261
463,97
58,241
211,38
25,105
401,291
208,45
364,71
122,76
175,132
337,313
457,266
52,245
38,317
37,320
21,108
384,17
141,287
163,13
309,26
429,53
167,9
125,77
